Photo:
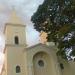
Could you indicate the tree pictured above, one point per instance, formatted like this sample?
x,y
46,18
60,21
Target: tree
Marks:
x,y
57,19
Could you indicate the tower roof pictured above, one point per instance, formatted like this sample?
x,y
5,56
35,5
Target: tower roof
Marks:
x,y
14,18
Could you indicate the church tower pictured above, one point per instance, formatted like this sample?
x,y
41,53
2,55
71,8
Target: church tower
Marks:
x,y
15,45
19,60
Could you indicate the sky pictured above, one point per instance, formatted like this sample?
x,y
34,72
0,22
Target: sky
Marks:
x,y
24,9
2,46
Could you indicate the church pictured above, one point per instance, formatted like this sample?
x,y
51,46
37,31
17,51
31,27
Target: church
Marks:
x,y
35,60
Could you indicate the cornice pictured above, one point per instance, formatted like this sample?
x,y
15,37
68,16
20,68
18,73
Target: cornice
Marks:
x,y
12,24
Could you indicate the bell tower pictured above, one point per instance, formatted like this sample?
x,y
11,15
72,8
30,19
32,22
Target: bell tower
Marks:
x,y
15,45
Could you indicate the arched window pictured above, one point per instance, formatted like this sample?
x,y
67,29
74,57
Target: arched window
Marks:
x,y
18,70
16,40
61,66
41,63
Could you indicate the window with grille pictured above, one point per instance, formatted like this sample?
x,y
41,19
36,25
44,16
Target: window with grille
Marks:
x,y
18,70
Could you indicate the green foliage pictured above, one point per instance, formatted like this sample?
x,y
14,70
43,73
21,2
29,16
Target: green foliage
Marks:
x,y
57,19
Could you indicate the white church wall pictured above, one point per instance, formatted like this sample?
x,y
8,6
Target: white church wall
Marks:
x,y
15,57
40,48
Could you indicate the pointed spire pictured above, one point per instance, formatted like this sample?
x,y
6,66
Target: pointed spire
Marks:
x,y
14,18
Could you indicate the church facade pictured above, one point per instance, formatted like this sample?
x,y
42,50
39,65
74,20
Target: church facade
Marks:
x,y
36,60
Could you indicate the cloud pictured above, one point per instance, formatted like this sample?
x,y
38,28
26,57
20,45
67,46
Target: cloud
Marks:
x,y
24,9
